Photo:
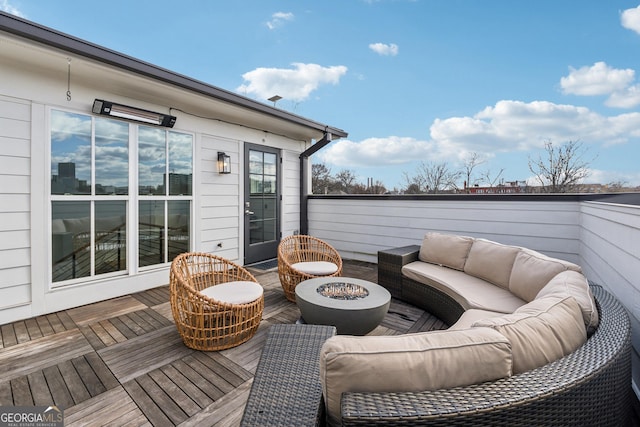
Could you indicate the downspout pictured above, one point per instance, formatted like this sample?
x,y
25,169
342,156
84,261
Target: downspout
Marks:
x,y
304,181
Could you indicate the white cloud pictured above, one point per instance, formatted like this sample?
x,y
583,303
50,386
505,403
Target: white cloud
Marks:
x,y
608,177
630,19
278,19
627,98
384,49
292,84
516,125
601,79
375,151
5,6
509,126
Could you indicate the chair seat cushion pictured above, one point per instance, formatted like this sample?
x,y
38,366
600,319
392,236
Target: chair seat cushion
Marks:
x,y
316,268
240,292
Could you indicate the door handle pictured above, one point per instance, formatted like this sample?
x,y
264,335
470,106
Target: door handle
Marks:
x,y
248,212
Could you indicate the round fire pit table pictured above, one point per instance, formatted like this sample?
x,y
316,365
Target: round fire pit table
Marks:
x,y
353,306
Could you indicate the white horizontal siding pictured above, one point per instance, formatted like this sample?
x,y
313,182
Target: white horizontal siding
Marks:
x,y
290,193
15,171
219,224
362,227
610,252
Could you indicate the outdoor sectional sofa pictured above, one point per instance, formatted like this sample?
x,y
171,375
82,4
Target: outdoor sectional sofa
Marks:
x,y
554,379
544,349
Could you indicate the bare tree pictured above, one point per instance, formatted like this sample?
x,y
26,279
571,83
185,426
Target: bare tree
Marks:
x,y
562,169
320,178
470,163
432,178
492,180
346,181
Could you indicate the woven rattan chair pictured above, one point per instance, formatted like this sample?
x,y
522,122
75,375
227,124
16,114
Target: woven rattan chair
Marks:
x,y
302,257
216,304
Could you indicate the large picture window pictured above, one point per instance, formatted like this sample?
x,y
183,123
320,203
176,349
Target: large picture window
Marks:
x,y
91,197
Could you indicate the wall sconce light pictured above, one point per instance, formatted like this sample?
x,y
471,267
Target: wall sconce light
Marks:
x,y
224,162
108,108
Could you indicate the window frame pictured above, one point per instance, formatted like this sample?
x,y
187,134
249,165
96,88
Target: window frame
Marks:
x,y
131,200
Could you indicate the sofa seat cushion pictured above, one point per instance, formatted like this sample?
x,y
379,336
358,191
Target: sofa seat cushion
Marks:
x,y
410,362
574,284
540,332
469,317
468,291
316,268
491,261
239,292
445,249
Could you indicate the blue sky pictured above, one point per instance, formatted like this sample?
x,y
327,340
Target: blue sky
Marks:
x,y
410,80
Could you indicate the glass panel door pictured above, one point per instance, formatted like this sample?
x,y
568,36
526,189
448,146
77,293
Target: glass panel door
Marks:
x,y
262,203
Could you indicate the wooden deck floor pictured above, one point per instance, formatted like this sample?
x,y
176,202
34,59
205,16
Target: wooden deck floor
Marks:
x,y
121,362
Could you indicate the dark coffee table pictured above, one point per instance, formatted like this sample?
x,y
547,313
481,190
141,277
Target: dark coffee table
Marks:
x,y
353,306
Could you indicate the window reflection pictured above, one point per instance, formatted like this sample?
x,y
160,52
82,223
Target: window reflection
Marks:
x,y
151,232
178,227
70,237
152,165
110,236
180,164
112,156
70,153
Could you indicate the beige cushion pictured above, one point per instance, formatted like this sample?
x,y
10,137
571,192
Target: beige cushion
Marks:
x,y
468,291
78,225
491,261
239,292
316,268
57,226
531,273
469,317
540,332
574,284
411,362
445,249
568,265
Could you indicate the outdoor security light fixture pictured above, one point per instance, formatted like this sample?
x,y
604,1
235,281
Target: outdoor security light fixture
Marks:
x,y
274,99
224,162
108,108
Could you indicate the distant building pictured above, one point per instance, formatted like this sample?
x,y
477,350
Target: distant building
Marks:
x,y
509,187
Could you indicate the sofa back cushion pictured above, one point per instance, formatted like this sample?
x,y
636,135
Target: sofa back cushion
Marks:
x,y
445,249
540,332
531,272
574,284
411,362
491,261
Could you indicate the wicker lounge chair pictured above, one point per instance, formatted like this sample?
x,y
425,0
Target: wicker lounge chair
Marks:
x,y
216,304
302,257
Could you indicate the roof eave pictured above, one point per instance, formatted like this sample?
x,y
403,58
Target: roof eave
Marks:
x,y
47,36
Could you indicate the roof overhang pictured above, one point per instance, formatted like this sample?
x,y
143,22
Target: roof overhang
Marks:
x,y
46,36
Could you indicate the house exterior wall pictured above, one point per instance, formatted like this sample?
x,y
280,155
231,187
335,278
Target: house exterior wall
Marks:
x,y
34,80
15,153
603,238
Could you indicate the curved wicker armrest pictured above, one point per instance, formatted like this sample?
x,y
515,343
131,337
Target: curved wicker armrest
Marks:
x,y
589,386
205,323
303,248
